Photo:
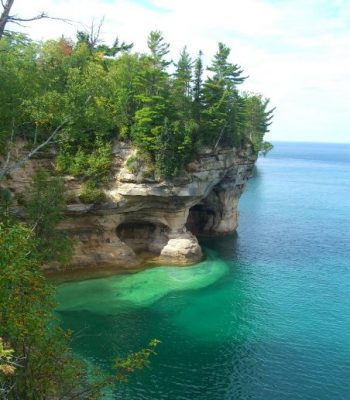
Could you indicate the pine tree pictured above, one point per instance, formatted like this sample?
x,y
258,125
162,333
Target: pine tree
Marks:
x,y
198,89
159,49
220,99
182,85
224,70
257,119
152,86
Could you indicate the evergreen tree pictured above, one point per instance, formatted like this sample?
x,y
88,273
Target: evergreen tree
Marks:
x,y
159,49
220,99
152,86
197,88
225,71
71,91
182,98
256,121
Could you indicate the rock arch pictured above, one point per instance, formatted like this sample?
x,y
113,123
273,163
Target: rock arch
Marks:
x,y
142,236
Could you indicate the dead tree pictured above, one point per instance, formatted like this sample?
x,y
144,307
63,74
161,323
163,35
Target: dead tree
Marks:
x,y
6,17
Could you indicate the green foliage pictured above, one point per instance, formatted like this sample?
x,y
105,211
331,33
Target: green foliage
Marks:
x,y
175,147
255,120
26,321
36,362
135,361
159,49
125,75
90,40
7,366
91,193
265,147
197,89
6,206
221,100
44,204
94,165
133,163
96,99
18,81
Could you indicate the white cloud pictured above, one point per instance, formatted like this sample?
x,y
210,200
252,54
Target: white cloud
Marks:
x,y
295,52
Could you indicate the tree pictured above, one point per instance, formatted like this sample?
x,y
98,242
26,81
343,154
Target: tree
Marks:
x,y
159,49
182,85
15,85
20,81
8,367
5,15
36,363
45,205
91,37
256,121
225,71
70,96
6,18
198,89
26,303
220,98
51,92
125,72
152,93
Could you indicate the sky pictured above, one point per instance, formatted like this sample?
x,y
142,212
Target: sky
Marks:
x,y
296,52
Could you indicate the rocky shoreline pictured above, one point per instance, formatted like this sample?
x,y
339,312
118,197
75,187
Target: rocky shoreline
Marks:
x,y
145,219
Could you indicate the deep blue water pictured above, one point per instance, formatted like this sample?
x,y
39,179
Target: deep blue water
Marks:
x,y
266,317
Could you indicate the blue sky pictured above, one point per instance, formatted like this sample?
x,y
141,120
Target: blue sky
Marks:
x,y
296,52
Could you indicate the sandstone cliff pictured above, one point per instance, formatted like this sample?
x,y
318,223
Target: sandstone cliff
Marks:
x,y
145,219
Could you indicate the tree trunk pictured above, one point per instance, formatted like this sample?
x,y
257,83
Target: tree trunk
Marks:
x,y
5,15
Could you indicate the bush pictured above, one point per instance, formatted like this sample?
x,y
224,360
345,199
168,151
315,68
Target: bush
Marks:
x,y
91,193
84,163
133,164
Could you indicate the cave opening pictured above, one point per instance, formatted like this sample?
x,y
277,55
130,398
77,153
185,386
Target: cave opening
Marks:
x,y
200,219
143,237
204,217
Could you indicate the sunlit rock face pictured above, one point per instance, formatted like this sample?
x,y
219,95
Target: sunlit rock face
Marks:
x,y
146,219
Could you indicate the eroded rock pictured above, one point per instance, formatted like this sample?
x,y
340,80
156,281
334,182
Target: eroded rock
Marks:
x,y
146,219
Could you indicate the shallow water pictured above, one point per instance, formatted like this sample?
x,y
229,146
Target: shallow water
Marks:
x,y
142,289
266,316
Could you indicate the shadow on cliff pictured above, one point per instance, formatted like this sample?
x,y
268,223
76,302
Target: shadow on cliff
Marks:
x,y
226,246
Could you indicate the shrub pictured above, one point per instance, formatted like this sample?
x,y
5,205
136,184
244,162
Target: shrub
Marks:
x,y
91,193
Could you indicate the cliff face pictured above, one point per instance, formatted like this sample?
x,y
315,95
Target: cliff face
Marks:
x,y
145,219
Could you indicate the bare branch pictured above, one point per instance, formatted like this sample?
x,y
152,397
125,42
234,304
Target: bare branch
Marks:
x,y
6,169
17,23
12,18
220,136
8,157
35,134
5,17
97,37
91,33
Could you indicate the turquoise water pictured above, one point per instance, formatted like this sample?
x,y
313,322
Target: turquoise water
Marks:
x,y
266,316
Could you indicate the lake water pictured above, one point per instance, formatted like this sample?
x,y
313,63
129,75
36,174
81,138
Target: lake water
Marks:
x,y
265,317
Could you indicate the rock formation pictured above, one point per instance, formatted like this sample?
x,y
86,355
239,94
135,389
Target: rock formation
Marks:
x,y
146,219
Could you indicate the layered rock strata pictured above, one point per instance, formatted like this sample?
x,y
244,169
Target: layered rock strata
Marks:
x,y
145,219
